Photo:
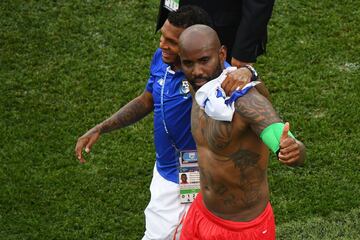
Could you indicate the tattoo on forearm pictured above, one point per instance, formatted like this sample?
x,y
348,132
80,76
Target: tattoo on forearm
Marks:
x,y
129,114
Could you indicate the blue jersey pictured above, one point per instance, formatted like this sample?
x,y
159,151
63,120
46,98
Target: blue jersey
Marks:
x,y
172,111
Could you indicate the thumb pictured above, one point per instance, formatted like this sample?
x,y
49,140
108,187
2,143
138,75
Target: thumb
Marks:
x,y
285,132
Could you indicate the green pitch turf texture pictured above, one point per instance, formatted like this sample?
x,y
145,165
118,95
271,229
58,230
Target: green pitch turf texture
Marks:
x,y
67,65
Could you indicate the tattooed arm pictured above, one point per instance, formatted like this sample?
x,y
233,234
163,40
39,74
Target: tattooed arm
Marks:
x,y
132,112
259,113
256,110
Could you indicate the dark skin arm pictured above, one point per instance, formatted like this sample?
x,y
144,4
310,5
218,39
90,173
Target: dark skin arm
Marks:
x,y
132,112
259,113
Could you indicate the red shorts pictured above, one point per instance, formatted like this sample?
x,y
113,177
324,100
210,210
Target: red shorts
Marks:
x,y
200,223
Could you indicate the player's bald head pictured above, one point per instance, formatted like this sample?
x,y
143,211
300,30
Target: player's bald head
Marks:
x,y
199,37
201,54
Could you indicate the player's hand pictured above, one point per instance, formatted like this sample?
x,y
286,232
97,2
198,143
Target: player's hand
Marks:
x,y
290,149
236,80
238,63
85,142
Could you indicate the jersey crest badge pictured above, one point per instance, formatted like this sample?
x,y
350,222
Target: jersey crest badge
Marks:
x,y
185,88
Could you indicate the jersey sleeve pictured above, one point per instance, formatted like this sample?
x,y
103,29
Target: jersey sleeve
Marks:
x,y
153,70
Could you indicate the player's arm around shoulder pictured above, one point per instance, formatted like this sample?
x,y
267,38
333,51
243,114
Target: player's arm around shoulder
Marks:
x,y
265,122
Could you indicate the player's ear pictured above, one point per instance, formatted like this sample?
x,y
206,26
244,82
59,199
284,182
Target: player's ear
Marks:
x,y
222,53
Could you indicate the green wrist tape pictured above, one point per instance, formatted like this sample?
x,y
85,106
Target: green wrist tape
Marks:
x,y
271,136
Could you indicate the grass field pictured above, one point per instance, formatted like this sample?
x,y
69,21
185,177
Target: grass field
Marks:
x,y
67,65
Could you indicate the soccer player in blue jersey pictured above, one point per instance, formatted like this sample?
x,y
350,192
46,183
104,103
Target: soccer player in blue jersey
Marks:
x,y
167,94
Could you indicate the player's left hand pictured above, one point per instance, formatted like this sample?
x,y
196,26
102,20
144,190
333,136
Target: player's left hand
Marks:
x,y
290,148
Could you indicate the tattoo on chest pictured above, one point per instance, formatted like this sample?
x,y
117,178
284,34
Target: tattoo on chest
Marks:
x,y
244,159
216,133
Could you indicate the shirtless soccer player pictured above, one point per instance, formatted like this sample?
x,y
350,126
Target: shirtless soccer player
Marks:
x,y
233,155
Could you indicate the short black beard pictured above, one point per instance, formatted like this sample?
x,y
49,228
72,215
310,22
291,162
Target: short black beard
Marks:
x,y
216,74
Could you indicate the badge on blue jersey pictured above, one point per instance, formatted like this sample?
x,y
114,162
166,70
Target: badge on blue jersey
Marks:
x,y
160,81
185,88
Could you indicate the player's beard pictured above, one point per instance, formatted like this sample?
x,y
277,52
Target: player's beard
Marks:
x,y
217,71
199,81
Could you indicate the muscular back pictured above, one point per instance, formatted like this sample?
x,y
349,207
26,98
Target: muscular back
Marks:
x,y
232,158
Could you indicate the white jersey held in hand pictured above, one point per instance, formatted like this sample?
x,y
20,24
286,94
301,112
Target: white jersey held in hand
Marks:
x,y
213,100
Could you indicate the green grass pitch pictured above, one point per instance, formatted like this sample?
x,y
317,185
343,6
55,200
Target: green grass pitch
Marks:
x,y
67,65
